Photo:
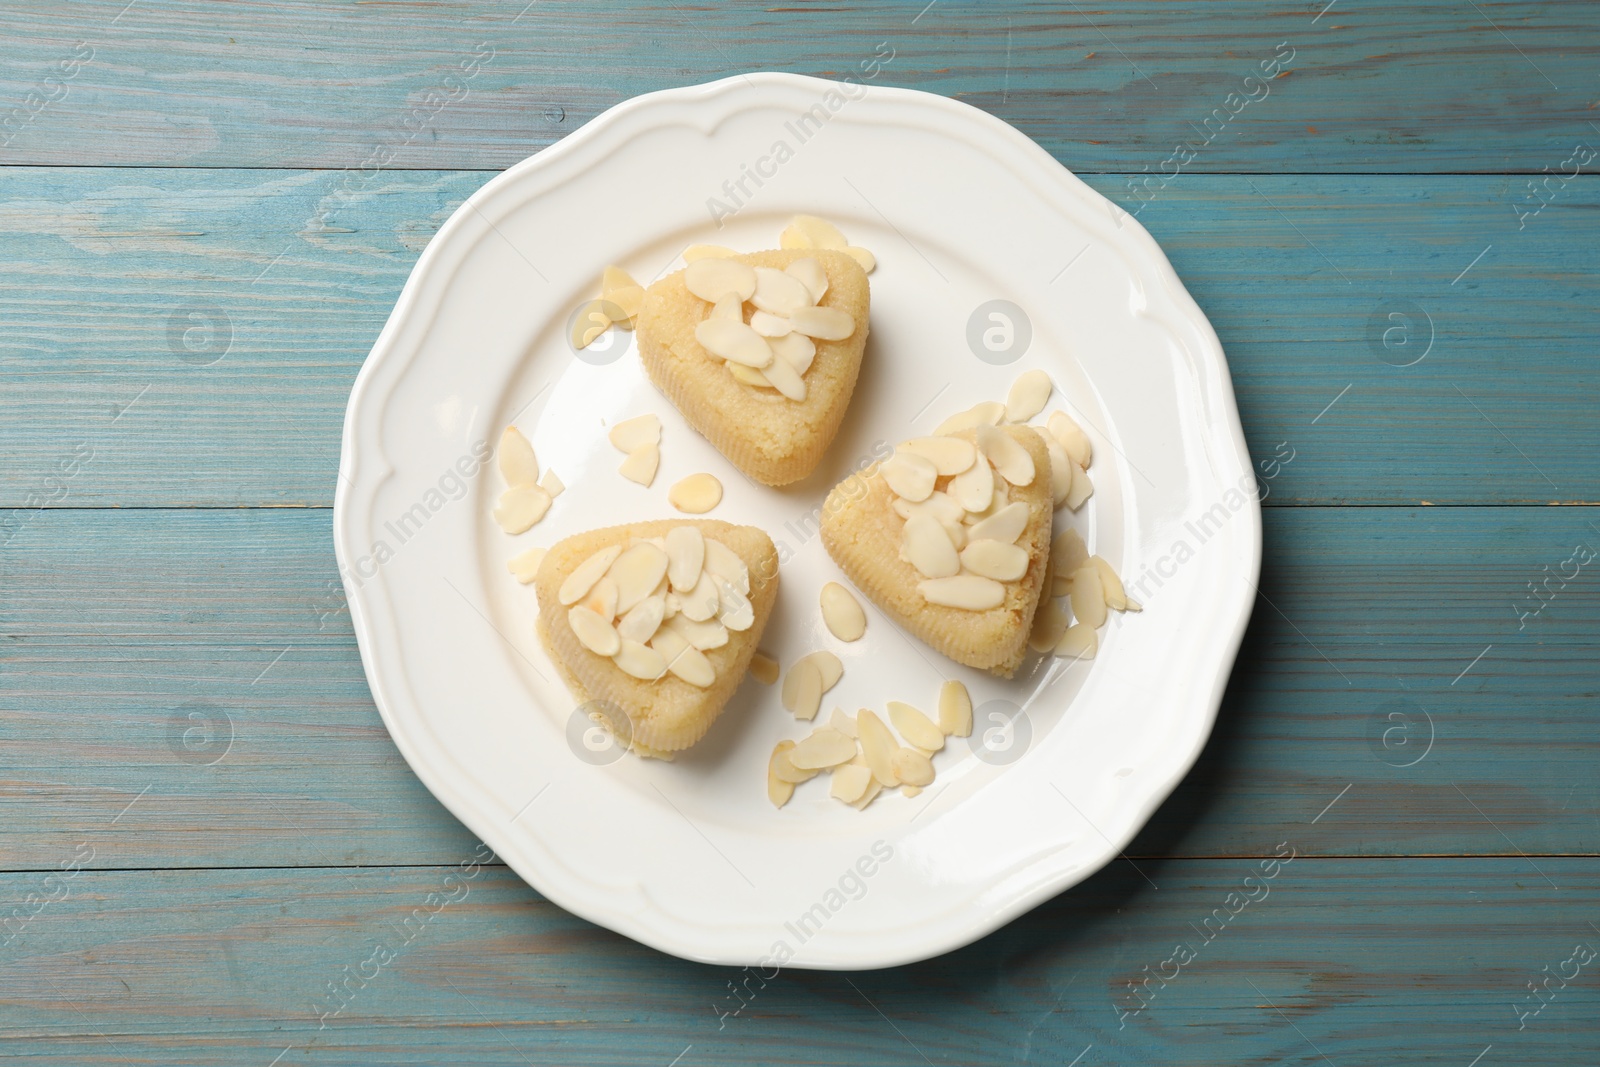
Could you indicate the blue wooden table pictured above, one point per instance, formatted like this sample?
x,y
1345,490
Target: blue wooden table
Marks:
x,y
211,853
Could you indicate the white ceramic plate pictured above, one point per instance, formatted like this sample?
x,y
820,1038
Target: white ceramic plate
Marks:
x,y
689,856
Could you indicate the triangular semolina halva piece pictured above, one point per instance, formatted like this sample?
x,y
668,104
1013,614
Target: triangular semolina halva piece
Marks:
x,y
657,621
950,537
773,427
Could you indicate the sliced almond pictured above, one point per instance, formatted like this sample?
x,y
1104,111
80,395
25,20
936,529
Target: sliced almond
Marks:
x,y
811,275
517,462
949,455
748,375
988,413
994,559
850,781
802,690
808,231
782,376
824,748
623,303
910,475
640,661
551,483
868,261
692,666
955,709
701,602
1133,605
615,277
712,277
694,252
520,507
591,322
1028,396
1049,623
641,465
730,307
734,609
642,620
696,494
733,341
1082,488
912,767
828,666
593,632
873,789
724,562
1005,525
966,591
1088,596
1061,471
783,768
637,572
825,324
778,790
973,488
1072,438
686,557
927,546
844,723
795,349
780,292
1060,584
526,566
909,791
1010,459
915,727
704,635
1080,641
763,668
585,574
630,435
877,746
939,505
770,326
842,613
602,599
1111,585
1067,553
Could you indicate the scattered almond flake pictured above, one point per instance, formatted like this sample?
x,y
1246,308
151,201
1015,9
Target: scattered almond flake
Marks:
x,y
1010,459
966,591
585,574
912,767
973,488
1080,642
955,709
593,632
642,620
877,746
781,375
640,661
625,302
824,324
802,690
1028,395
994,559
733,341
748,375
701,603
1133,605
1088,596
520,507
724,562
915,727
714,277
637,572
926,545
1049,623
591,332
808,231
696,494
1068,553
694,252
614,277
910,475
704,635
1061,471
842,613
779,292
868,261
795,349
770,326
641,464
1116,597
850,781
526,566
782,766
734,609
591,322
909,791
686,557
1005,525
1082,488
763,668
630,435
811,275
988,413
602,599
730,307
1071,436
691,665
828,666
778,790
822,749
551,483
949,455
1060,584
844,723
518,465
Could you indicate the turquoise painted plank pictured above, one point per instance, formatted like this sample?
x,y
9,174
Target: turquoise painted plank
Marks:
x,y
1414,961
194,662
1432,86
101,269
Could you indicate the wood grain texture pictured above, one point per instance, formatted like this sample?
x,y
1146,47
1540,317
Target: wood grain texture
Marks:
x,y
1413,961
1419,86
201,299
199,662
